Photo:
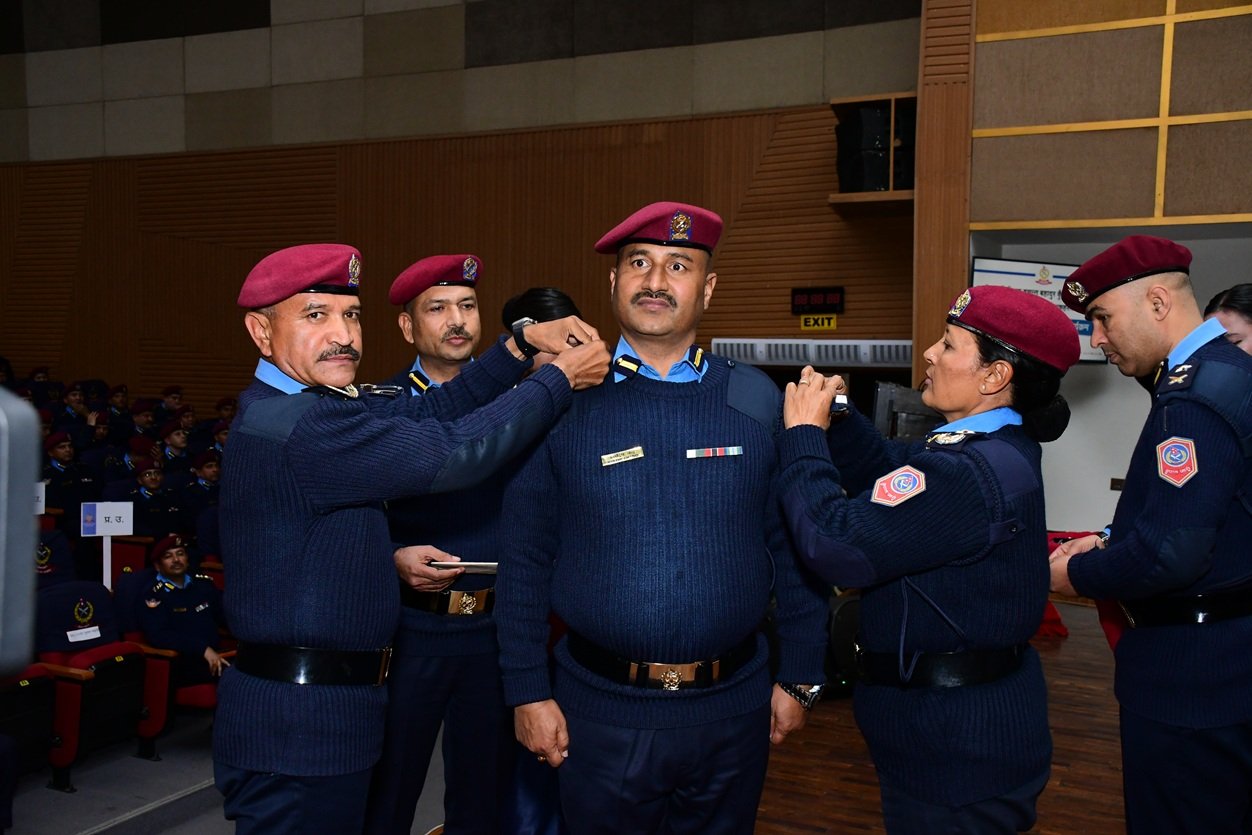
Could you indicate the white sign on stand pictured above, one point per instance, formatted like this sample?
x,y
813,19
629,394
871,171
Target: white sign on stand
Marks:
x,y
41,491
107,519
1045,280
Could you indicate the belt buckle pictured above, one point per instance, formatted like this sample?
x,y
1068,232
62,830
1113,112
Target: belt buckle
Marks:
x,y
384,666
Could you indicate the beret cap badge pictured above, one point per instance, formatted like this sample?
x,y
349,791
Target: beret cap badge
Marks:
x,y
354,271
680,226
958,306
1077,291
469,269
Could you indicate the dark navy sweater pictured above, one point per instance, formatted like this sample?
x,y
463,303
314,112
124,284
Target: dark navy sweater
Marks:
x,y
658,558
931,580
1169,540
307,552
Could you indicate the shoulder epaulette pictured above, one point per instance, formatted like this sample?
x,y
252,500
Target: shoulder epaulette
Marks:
x,y
1224,387
952,441
381,390
754,394
348,392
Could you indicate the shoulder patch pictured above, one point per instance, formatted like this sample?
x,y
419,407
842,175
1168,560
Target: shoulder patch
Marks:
x,y
752,393
1176,460
898,486
274,418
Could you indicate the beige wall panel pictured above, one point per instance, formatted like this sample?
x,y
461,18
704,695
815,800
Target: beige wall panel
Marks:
x,y
1094,76
229,119
143,68
1207,170
1098,174
385,6
759,73
295,11
14,135
413,105
228,61
12,80
67,131
63,76
144,126
1212,70
871,59
331,111
647,84
519,95
419,41
1016,15
318,51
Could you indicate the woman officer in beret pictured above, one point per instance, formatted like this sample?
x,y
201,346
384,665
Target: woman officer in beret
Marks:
x,y
947,541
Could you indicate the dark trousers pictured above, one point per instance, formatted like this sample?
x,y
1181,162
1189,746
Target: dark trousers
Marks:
x,y
1013,811
1186,781
463,693
277,804
705,779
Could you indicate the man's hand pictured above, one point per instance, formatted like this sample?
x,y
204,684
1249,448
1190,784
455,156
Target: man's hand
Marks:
x,y
540,727
561,334
785,715
1058,561
216,662
808,401
584,366
412,566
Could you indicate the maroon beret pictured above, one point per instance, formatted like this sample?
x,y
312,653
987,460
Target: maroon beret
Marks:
x,y
142,405
184,409
54,439
168,390
309,268
74,386
120,388
668,224
140,445
225,401
220,426
1021,321
170,427
45,414
206,457
165,545
1135,257
143,465
437,270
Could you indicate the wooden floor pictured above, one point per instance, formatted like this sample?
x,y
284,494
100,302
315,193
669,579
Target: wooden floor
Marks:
x,y
822,780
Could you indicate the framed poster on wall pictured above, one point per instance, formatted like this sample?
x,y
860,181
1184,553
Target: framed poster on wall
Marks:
x,y
1041,279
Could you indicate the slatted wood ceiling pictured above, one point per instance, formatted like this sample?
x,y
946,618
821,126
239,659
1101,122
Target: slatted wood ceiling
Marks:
x,y
128,269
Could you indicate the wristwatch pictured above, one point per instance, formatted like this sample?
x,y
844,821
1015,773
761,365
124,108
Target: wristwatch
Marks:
x,y
806,694
519,337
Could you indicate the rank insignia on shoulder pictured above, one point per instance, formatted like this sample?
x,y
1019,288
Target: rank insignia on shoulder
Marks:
x,y
1178,377
898,486
348,392
1176,460
381,390
618,457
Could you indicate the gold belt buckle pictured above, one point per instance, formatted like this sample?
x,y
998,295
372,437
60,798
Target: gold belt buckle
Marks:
x,y
384,666
673,676
467,602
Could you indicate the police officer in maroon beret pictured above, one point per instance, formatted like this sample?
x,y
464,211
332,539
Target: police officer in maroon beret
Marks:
x,y
1176,553
183,612
947,541
311,588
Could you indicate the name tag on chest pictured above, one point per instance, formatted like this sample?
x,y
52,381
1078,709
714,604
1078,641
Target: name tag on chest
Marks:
x,y
87,633
618,457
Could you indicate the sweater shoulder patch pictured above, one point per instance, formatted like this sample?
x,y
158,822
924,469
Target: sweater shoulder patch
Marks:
x,y
898,486
274,418
752,393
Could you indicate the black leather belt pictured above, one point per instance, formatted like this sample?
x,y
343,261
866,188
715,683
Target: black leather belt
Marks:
x,y
1196,609
306,665
940,669
656,674
448,601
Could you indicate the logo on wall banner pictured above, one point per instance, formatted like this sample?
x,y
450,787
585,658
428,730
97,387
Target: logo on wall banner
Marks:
x,y
898,486
1176,461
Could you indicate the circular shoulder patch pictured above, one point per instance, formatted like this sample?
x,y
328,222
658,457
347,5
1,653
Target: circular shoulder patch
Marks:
x,y
1176,461
898,486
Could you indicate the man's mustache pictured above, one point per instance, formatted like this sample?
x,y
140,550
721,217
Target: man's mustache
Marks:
x,y
654,294
341,350
456,331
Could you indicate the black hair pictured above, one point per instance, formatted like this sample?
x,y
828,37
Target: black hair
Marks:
x,y
1033,391
1237,299
543,304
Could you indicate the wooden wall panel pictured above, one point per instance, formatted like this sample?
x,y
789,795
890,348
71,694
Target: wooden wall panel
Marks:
x,y
1184,6
1015,16
944,121
1091,174
1208,170
128,269
1212,70
1033,81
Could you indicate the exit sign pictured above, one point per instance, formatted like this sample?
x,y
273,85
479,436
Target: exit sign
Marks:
x,y
816,300
817,323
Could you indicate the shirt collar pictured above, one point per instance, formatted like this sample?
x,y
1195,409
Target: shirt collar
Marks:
x,y
689,369
271,375
984,421
163,579
1208,330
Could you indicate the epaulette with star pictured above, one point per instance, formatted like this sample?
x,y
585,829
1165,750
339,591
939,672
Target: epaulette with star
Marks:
x,y
1179,377
949,440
